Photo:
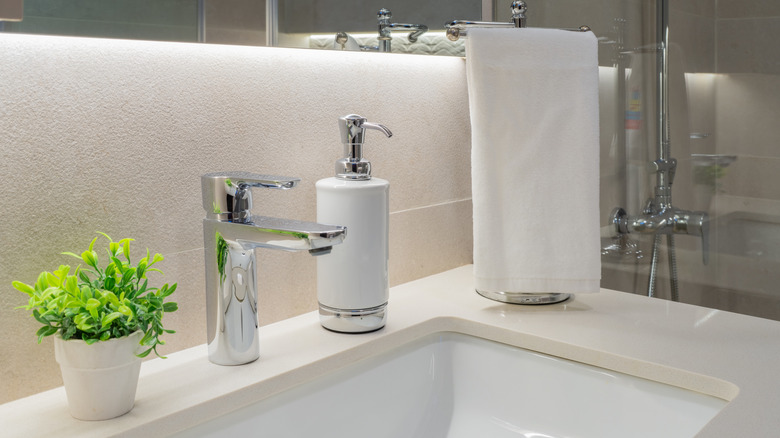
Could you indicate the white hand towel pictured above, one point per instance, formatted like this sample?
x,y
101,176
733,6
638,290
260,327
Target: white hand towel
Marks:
x,y
533,96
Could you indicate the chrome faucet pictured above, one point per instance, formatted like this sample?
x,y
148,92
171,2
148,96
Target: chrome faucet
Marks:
x,y
346,42
230,236
386,28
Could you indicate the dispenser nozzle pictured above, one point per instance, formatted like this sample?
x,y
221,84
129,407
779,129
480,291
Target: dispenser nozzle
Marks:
x,y
353,130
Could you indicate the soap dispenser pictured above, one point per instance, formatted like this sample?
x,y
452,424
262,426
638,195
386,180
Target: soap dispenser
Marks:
x,y
352,284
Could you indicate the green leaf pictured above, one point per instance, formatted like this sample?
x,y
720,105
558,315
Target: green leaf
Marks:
x,y
69,332
44,331
128,274
118,263
87,292
68,253
170,307
126,247
53,280
141,268
22,287
42,283
81,319
113,248
124,310
90,258
170,289
84,277
108,319
92,244
51,317
149,339
93,304
37,315
112,298
157,258
71,285
109,283
62,272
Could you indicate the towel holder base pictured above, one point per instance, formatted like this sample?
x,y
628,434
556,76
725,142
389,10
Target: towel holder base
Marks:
x,y
523,297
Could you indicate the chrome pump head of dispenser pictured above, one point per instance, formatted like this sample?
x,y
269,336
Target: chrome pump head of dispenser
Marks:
x,y
353,131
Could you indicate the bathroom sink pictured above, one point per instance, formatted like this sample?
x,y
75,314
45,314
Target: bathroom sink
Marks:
x,y
455,385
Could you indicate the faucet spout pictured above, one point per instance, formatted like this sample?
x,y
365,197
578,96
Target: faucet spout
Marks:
x,y
230,236
281,234
386,27
416,30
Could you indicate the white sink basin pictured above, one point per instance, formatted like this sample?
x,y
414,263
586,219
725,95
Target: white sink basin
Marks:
x,y
453,385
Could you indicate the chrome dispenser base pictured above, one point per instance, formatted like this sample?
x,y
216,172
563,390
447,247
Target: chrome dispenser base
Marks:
x,y
524,298
353,320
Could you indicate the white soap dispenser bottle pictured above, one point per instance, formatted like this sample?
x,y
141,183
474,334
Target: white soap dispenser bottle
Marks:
x,y
352,284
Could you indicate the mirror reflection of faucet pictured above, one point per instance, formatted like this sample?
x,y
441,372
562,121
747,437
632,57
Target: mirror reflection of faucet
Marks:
x,y
344,41
231,233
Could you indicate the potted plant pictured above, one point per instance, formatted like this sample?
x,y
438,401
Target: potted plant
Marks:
x,y
104,321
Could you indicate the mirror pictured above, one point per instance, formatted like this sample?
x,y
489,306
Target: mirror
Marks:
x,y
284,23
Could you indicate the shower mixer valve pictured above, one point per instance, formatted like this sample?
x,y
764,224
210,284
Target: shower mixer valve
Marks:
x,y
670,220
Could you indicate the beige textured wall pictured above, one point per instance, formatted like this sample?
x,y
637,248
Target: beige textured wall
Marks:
x,y
113,135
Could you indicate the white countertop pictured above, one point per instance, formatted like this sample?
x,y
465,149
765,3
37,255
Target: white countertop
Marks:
x,y
730,356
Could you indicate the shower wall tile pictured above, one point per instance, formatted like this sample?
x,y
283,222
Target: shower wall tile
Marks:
x,y
748,8
573,13
307,16
753,177
704,8
749,45
747,114
239,22
701,111
599,15
173,20
694,36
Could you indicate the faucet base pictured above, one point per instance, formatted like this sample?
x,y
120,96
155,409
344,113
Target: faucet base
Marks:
x,y
524,298
353,320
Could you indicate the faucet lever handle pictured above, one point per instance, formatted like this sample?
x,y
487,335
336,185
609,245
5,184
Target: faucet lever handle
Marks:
x,y
228,196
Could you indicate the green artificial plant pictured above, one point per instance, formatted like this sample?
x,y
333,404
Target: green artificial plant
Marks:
x,y
96,304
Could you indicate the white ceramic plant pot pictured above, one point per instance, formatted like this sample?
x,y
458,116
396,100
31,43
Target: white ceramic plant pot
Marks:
x,y
100,379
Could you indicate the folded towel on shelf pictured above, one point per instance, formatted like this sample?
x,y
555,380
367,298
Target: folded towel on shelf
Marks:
x,y
533,97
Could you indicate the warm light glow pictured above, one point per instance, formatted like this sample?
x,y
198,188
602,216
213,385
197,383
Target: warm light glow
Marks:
x,y
330,36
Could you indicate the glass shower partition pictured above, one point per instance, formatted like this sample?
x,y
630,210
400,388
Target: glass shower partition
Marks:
x,y
724,125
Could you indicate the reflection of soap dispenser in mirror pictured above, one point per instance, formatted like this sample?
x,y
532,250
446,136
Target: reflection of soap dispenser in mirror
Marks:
x,y
352,285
